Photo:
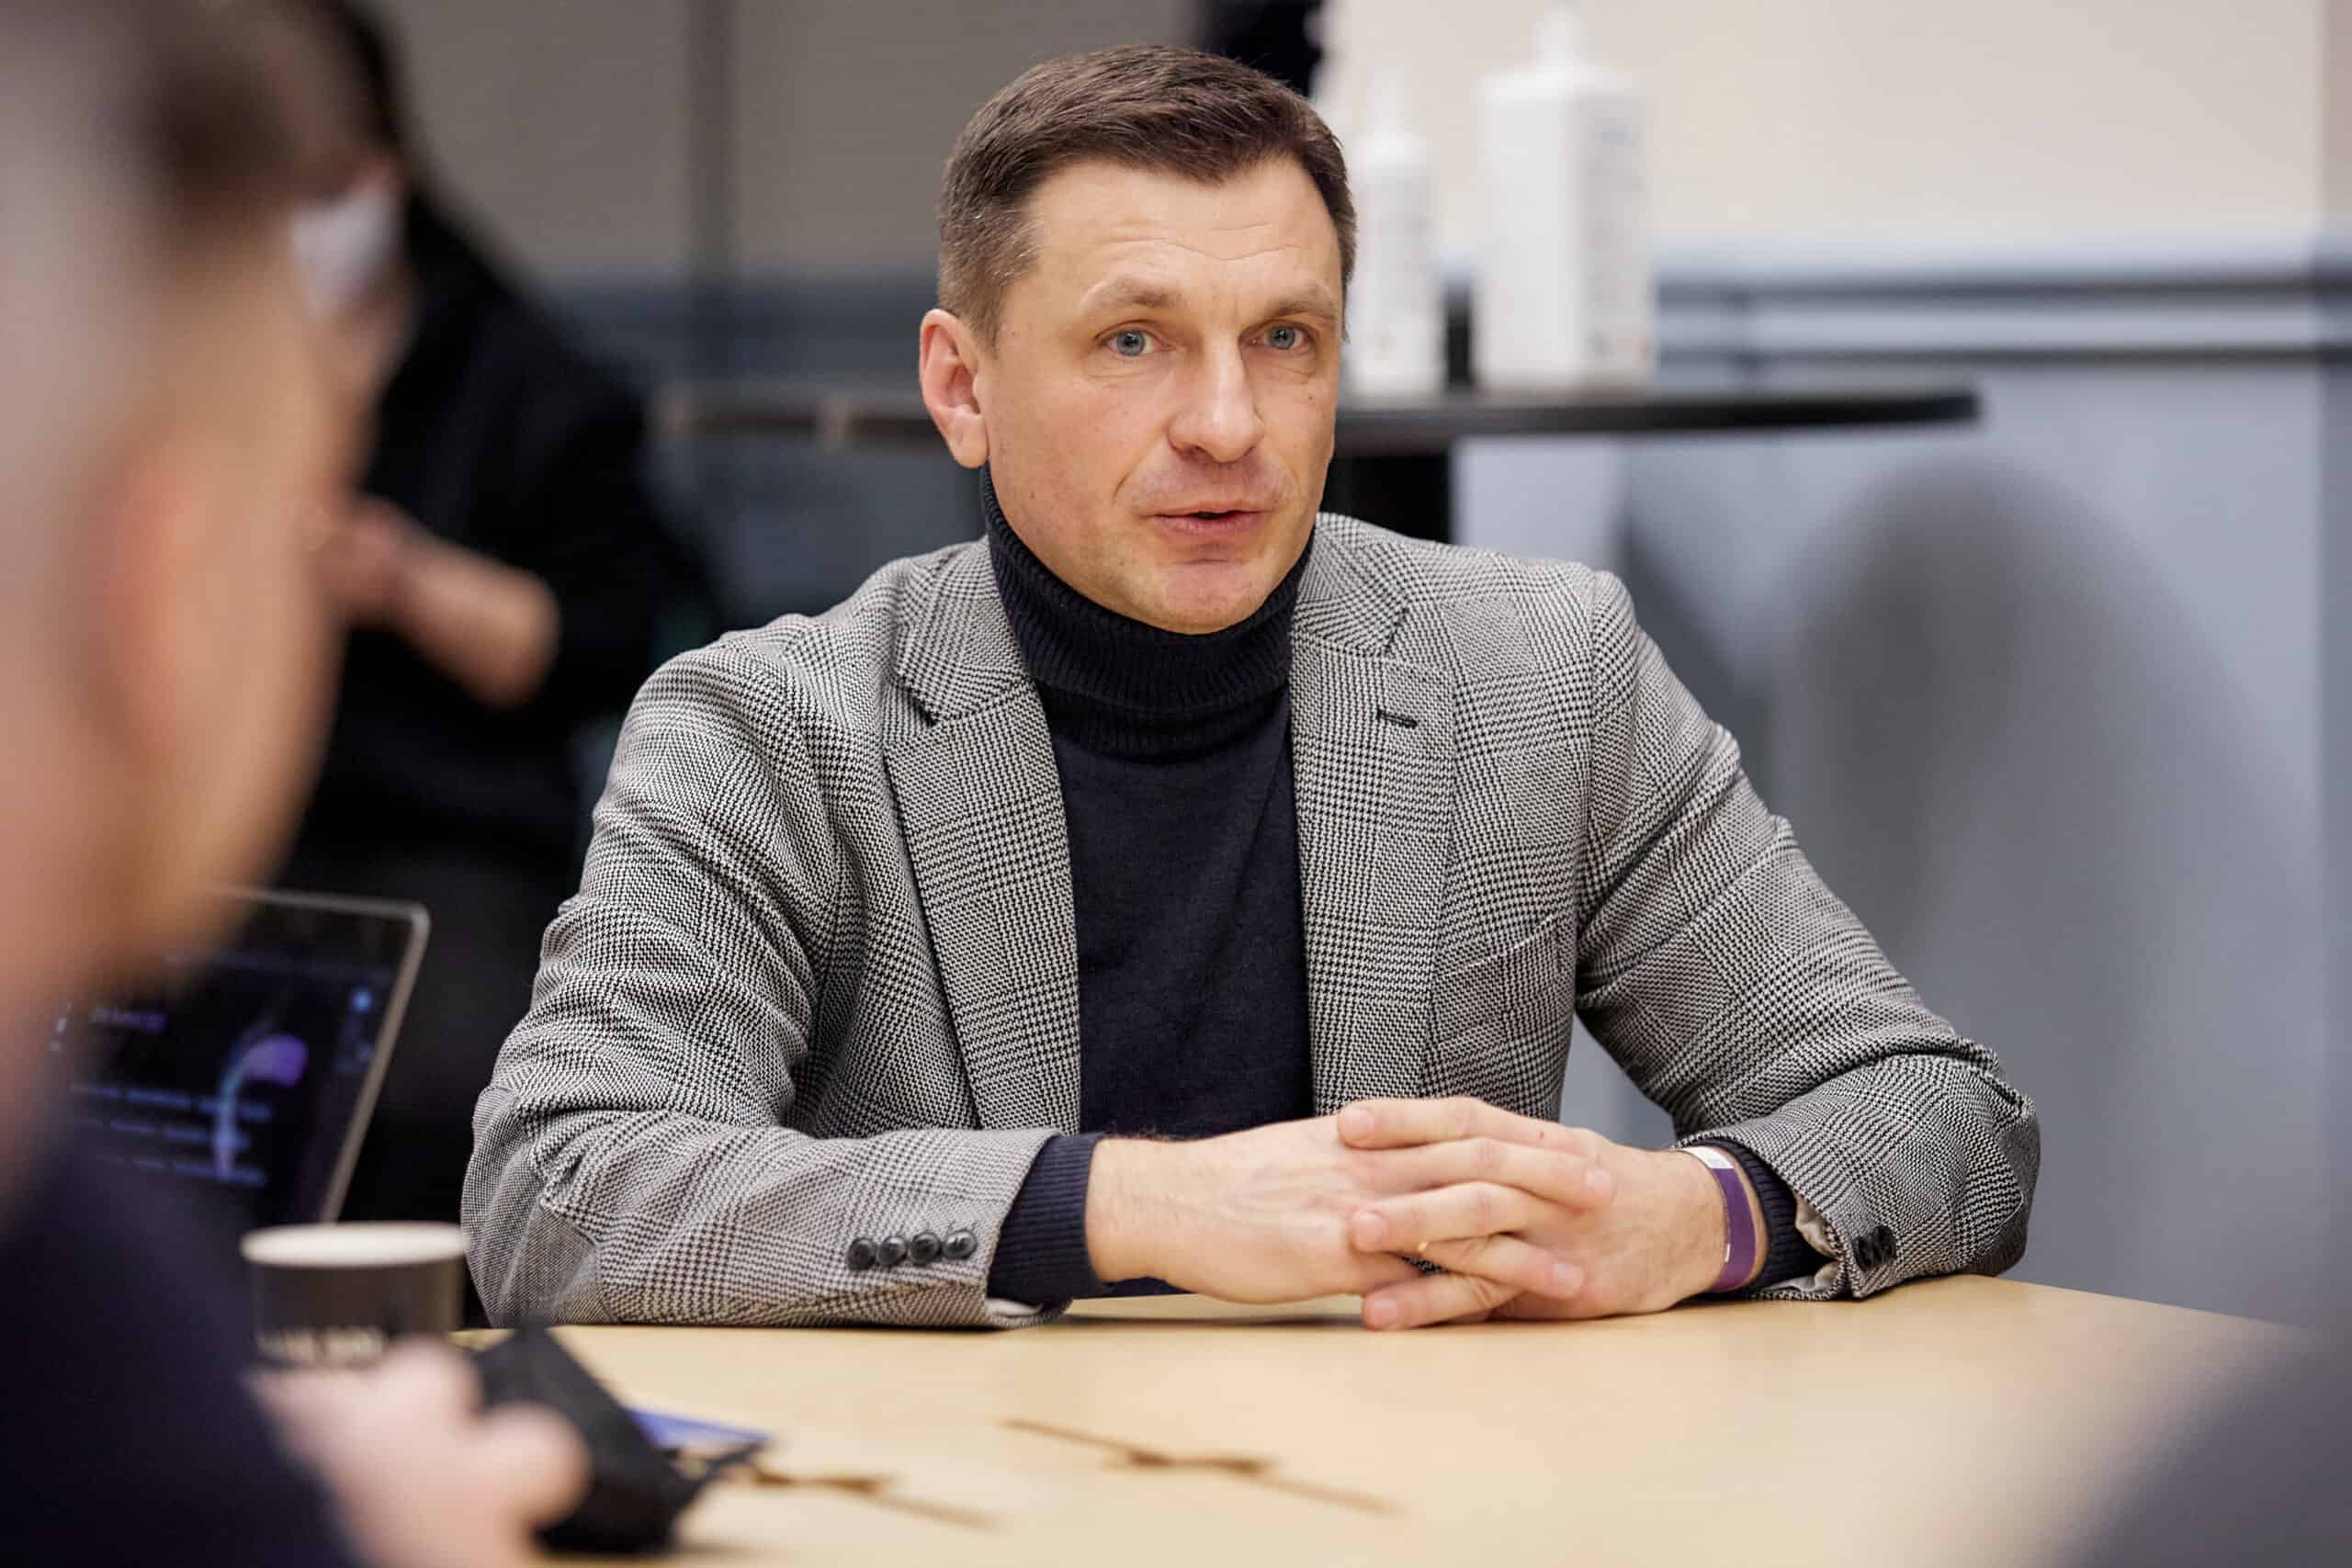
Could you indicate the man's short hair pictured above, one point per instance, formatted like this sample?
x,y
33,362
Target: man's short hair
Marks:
x,y
1153,106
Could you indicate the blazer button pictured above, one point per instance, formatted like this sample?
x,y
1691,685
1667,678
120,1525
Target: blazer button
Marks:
x,y
923,1247
894,1251
863,1254
961,1244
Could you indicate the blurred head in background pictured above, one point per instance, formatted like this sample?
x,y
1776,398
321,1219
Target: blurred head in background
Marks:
x,y
1144,255
167,444
350,238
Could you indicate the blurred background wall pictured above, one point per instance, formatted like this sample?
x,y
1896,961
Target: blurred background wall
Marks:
x,y
1850,119
1805,119
2057,701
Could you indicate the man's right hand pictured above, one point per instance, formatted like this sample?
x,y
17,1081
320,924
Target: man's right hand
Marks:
x,y
1263,1215
419,1474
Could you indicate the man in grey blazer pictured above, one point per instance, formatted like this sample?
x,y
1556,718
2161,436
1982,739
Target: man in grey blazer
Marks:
x,y
1182,887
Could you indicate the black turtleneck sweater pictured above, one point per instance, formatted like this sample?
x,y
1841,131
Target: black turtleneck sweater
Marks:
x,y
1175,764
1175,756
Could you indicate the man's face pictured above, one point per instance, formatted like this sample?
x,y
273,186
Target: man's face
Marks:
x,y
1158,401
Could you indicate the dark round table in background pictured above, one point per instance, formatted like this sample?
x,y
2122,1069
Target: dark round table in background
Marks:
x,y
1394,460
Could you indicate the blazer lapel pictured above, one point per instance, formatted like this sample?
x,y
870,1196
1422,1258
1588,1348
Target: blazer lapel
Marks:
x,y
1373,753
979,802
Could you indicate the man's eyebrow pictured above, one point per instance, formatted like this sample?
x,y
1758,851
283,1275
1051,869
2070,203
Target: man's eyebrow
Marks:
x,y
1141,293
1130,294
1314,302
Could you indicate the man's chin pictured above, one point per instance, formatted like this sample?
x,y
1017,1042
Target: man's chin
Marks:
x,y
1199,597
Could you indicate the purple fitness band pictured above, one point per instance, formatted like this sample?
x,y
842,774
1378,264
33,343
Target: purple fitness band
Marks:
x,y
1739,1224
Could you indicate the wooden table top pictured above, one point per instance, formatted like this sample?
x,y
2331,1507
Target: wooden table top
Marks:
x,y
1965,1420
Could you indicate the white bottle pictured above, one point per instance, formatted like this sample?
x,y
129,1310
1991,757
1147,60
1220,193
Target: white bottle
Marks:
x,y
1396,300
1563,296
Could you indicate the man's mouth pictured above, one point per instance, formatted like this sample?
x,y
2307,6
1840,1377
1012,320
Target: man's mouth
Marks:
x,y
1211,516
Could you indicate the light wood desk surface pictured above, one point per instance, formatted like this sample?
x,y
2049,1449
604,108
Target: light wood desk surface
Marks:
x,y
1961,1421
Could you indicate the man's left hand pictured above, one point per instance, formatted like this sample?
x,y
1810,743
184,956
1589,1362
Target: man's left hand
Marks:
x,y
1658,1239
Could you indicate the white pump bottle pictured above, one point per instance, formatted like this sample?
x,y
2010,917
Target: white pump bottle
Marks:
x,y
1396,300
1563,296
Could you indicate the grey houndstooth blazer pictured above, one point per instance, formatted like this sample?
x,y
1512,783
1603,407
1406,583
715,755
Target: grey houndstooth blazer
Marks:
x,y
820,979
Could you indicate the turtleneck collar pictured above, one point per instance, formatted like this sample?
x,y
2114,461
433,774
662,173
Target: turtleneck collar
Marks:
x,y
1117,685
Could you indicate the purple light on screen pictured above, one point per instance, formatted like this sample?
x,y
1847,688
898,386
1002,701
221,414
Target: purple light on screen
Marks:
x,y
273,1059
279,1059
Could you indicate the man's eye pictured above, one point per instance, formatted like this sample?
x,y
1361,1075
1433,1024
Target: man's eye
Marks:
x,y
1129,344
1284,338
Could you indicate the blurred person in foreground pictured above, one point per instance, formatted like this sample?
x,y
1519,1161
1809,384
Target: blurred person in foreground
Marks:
x,y
167,442
506,576
1179,886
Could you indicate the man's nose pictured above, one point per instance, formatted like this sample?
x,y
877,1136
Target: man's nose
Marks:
x,y
1219,419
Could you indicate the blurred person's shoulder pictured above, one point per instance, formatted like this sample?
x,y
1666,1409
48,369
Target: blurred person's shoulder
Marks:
x,y
1473,612
132,1346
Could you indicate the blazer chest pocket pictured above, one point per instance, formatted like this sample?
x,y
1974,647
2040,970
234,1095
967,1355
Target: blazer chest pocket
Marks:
x,y
1500,1025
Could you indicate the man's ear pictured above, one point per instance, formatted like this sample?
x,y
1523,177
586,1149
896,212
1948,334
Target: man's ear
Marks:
x,y
950,366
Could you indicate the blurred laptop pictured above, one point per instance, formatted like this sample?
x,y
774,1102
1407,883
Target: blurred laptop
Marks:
x,y
244,1074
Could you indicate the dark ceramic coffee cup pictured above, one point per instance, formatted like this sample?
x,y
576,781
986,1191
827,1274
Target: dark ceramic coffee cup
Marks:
x,y
338,1295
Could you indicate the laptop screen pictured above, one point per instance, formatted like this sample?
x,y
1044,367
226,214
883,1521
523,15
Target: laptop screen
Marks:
x,y
246,1073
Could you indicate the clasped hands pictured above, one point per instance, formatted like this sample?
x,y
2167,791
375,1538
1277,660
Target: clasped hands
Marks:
x,y
1528,1219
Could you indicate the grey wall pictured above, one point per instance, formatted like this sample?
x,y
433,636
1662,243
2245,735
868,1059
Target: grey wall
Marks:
x,y
2335,145
2335,589
571,128
2044,701
566,125
846,109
